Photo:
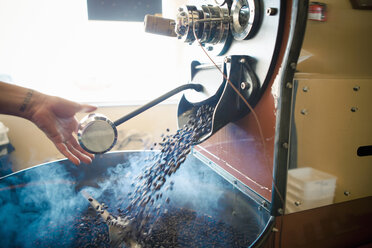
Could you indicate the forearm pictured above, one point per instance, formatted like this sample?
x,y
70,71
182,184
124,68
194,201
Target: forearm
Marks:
x,y
18,101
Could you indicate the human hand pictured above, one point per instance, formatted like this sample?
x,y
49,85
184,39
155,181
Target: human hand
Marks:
x,y
55,116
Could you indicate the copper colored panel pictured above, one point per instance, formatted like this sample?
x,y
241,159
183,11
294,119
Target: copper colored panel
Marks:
x,y
238,147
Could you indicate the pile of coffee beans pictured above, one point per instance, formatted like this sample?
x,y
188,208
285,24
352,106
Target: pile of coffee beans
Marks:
x,y
181,227
178,227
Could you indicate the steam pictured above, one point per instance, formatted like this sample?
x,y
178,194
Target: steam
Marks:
x,y
42,210
190,186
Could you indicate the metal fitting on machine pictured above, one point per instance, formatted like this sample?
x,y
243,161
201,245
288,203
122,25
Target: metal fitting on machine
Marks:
x,y
271,11
245,85
245,18
210,24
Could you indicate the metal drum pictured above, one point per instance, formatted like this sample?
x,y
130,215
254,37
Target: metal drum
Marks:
x,y
44,206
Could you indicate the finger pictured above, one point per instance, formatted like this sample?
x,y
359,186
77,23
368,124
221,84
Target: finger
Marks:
x,y
77,146
84,158
65,151
86,108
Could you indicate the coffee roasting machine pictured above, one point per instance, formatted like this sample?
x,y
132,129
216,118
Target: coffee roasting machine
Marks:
x,y
236,173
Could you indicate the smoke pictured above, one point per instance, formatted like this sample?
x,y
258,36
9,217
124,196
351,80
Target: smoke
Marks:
x,y
192,186
196,189
39,206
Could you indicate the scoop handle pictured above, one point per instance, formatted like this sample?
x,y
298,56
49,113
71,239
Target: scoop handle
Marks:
x,y
197,87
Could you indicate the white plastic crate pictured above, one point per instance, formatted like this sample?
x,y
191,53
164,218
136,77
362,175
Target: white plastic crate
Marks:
x,y
309,188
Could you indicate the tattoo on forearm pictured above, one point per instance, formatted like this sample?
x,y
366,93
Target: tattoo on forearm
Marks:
x,y
27,100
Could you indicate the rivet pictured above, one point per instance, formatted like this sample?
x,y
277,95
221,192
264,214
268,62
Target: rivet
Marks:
x,y
242,61
304,111
347,193
271,11
305,89
356,88
285,145
280,211
354,109
227,60
289,85
297,203
293,65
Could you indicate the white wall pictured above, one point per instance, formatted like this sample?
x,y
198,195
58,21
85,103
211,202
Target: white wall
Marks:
x,y
51,45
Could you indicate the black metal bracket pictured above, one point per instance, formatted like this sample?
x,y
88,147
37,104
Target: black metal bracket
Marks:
x,y
228,106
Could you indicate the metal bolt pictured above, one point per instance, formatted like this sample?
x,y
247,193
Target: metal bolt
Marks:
x,y
280,211
210,48
271,11
227,60
347,193
242,61
297,203
305,89
293,65
289,85
245,85
354,109
285,145
264,204
356,88
304,111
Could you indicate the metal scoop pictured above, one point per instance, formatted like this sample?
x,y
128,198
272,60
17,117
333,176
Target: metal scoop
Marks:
x,y
97,134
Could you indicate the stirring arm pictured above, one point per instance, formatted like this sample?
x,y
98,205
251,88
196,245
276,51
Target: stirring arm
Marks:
x,y
197,87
